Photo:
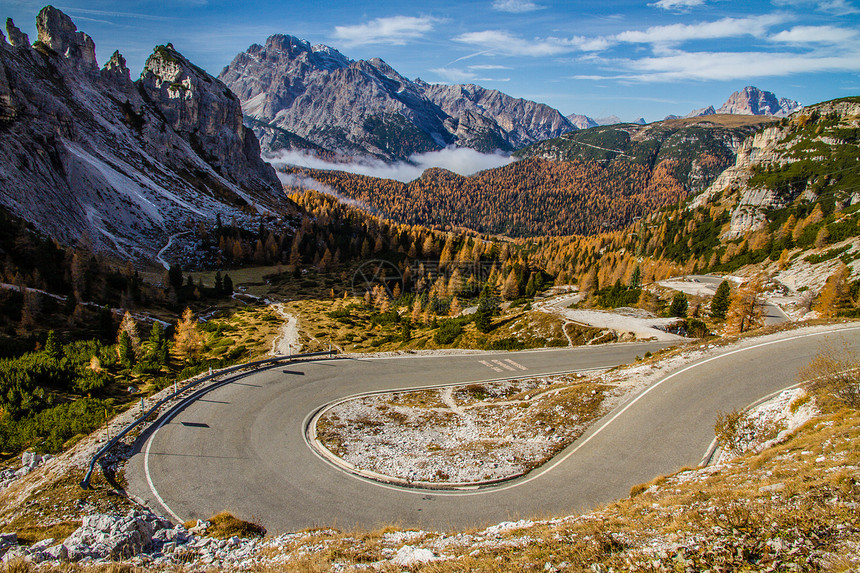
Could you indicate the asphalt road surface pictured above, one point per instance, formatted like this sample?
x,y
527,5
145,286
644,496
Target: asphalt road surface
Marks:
x,y
241,447
772,313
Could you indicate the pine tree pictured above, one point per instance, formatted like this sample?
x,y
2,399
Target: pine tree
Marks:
x,y
228,286
745,311
722,299
834,295
174,276
635,278
158,350
679,304
129,326
124,350
52,346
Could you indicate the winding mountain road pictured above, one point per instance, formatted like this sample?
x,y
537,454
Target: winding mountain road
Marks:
x,y
242,447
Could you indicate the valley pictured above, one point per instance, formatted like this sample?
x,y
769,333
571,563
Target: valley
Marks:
x,y
632,346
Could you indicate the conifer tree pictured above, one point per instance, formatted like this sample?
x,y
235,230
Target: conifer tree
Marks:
x,y
187,341
722,299
678,308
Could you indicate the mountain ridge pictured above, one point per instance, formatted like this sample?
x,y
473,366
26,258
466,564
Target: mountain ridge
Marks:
x,y
366,107
87,154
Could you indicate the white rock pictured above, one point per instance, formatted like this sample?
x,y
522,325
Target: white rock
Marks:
x,y
408,555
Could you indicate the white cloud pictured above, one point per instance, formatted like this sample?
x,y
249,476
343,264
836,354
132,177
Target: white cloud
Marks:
x,y
756,26
515,6
118,14
454,75
677,5
395,30
815,35
458,76
489,67
734,65
504,43
457,159
835,7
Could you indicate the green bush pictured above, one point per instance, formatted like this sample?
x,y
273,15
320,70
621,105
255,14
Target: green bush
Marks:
x,y
46,431
448,332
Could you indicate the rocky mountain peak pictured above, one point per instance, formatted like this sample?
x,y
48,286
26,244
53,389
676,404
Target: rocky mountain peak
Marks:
x,y
702,112
311,98
753,101
16,37
116,73
58,32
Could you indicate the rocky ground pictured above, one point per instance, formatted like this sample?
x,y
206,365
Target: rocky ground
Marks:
x,y
463,434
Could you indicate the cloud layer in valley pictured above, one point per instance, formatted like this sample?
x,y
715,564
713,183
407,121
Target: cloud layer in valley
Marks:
x,y
457,159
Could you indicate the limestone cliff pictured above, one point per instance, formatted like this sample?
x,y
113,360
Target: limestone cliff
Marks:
x,y
87,152
806,157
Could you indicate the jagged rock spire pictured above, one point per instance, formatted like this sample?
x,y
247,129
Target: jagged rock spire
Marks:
x,y
16,37
58,32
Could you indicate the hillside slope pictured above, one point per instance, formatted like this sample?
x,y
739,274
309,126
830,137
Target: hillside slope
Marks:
x,y
811,156
528,198
88,154
693,150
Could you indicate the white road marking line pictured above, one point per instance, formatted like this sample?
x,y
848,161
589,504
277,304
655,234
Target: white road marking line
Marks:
x,y
149,477
516,364
505,366
490,366
558,461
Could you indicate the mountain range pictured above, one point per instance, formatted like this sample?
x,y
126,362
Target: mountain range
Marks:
x,y
130,167
88,155
299,95
311,97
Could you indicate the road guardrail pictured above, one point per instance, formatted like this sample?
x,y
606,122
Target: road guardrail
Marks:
x,y
85,483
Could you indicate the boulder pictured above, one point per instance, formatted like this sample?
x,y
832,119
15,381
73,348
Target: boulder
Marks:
x,y
30,460
8,540
113,536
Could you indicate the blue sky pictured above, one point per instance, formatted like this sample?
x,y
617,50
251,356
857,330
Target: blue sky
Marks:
x,y
631,59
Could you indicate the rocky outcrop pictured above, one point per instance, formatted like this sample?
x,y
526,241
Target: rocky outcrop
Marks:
x,y
90,154
315,94
810,133
753,101
17,38
59,33
203,111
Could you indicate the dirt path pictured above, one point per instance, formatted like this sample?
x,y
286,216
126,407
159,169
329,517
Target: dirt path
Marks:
x,y
287,341
447,396
643,328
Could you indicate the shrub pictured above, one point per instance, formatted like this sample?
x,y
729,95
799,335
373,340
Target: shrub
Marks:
x,y
734,431
835,374
448,332
697,328
225,525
